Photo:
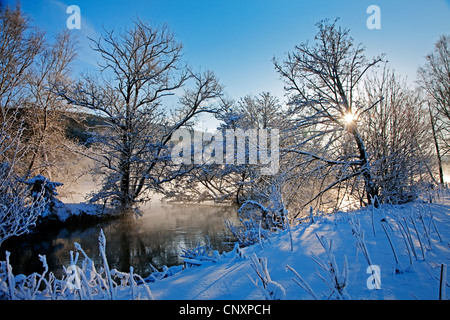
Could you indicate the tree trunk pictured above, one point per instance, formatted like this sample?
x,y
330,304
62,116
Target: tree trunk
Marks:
x,y
372,190
125,196
436,145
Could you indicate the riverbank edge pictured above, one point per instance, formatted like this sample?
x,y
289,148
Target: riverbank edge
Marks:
x,y
76,214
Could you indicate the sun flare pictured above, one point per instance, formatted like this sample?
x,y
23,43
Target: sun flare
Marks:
x,y
349,118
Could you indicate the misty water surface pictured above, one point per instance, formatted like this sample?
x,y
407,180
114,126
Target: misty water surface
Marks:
x,y
156,238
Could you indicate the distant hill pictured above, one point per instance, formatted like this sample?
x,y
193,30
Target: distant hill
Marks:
x,y
79,126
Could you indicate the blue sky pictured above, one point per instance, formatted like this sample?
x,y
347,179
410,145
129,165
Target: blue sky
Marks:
x,y
237,39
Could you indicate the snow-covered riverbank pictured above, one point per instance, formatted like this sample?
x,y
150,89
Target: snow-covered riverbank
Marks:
x,y
234,278
394,252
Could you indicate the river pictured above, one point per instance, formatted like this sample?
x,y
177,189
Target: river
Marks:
x,y
156,238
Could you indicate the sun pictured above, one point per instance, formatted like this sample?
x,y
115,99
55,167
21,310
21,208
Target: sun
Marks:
x,y
349,118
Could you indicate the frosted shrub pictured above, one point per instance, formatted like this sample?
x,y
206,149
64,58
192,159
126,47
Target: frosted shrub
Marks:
x,y
200,252
20,287
257,222
335,280
298,279
39,186
359,235
18,212
271,289
248,232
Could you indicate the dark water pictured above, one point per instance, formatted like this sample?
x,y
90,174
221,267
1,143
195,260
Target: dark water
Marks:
x,y
157,238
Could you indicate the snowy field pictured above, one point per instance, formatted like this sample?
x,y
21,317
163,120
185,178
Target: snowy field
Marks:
x,y
405,245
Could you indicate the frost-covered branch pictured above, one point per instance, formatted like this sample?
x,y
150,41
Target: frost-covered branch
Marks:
x,y
271,289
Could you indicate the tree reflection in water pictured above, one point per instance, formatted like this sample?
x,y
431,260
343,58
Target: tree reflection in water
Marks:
x,y
155,238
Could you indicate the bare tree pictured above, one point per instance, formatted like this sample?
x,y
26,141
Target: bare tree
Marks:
x,y
397,135
230,182
437,131
141,67
42,110
261,112
19,45
322,79
434,77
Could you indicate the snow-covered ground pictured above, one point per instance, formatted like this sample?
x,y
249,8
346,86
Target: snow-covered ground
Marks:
x,y
405,245
233,278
